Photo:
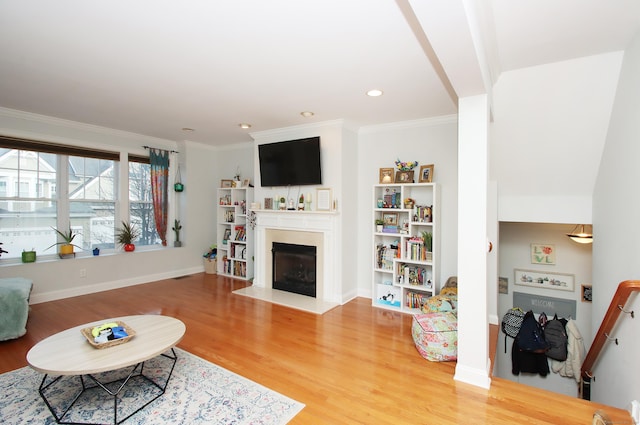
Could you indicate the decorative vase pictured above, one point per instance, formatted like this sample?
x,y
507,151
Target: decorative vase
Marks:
x,y
129,247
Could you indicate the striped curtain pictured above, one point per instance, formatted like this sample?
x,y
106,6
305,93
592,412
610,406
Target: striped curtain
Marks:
x,y
159,160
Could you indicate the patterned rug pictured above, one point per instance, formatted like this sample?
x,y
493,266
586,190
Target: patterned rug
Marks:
x,y
199,392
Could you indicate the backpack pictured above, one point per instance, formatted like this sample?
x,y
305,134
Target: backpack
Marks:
x,y
556,336
511,322
531,336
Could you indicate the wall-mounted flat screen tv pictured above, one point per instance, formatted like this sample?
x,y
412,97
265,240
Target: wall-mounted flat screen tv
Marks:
x,y
290,163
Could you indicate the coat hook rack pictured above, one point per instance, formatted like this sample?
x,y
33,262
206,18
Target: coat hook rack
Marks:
x,y
625,311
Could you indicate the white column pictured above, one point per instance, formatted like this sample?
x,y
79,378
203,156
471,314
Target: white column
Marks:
x,y
473,322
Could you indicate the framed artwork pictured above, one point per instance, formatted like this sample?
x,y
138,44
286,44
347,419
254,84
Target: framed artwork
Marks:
x,y
546,280
586,294
390,218
226,183
246,182
323,199
426,174
404,177
543,254
503,285
386,175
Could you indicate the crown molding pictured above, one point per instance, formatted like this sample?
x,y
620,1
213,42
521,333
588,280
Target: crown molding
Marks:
x,y
91,128
422,122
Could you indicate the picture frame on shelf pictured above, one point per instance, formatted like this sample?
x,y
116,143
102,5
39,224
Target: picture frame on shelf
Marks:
x,y
390,218
386,175
226,184
226,236
404,176
246,182
323,199
426,174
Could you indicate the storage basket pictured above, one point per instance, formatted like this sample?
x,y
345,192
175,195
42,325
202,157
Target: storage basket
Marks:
x,y
87,334
209,266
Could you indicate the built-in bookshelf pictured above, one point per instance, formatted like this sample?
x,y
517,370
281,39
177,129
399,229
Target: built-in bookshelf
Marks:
x,y
235,244
405,259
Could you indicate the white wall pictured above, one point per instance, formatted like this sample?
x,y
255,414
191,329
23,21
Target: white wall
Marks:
x,y
571,258
429,141
550,123
616,251
202,169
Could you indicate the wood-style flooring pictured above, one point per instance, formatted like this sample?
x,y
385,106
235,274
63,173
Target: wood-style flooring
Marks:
x,y
353,365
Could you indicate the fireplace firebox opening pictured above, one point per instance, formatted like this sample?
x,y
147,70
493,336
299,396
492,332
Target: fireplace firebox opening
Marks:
x,y
294,268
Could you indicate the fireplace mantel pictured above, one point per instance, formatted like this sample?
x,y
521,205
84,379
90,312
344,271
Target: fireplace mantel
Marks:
x,y
325,225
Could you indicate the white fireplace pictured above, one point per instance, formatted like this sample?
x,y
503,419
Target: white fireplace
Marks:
x,y
313,228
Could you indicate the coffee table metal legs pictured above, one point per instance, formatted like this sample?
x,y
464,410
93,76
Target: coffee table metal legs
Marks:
x,y
136,371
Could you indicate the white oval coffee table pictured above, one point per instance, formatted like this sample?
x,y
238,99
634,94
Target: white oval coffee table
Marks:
x,y
69,353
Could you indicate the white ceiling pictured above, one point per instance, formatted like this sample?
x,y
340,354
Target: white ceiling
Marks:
x,y
155,66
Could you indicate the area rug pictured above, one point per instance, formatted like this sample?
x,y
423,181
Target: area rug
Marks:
x,y
199,392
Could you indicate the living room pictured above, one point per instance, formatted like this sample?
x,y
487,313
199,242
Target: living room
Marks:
x,y
588,127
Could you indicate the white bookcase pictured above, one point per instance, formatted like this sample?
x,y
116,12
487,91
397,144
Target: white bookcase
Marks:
x,y
404,272
235,237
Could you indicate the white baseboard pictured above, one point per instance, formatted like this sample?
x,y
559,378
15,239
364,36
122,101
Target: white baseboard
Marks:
x,y
106,286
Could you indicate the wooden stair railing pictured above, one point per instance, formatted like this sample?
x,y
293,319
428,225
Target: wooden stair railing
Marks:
x,y
625,289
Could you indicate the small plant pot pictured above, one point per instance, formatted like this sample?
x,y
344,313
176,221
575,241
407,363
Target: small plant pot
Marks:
x,y
129,247
378,228
28,256
66,249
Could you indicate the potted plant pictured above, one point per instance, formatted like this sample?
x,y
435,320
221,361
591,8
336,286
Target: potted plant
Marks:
x,y
427,237
126,235
66,246
176,228
29,256
379,224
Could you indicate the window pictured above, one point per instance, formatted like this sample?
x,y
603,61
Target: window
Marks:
x,y
27,214
92,201
141,201
31,174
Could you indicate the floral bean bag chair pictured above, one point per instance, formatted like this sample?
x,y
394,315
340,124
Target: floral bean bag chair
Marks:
x,y
435,331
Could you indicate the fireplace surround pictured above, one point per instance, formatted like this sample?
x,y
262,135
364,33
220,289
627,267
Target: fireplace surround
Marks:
x,y
310,228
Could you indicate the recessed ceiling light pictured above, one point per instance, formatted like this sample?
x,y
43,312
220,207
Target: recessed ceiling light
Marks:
x,y
374,93
244,125
188,130
307,114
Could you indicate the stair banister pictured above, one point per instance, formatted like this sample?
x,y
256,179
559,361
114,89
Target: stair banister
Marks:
x,y
625,289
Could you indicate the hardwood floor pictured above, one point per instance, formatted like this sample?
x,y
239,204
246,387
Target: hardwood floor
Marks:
x,y
353,365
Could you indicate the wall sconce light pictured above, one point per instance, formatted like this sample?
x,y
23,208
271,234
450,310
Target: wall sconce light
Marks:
x,y
581,234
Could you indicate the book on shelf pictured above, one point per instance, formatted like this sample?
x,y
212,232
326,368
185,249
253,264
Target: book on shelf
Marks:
x,y
385,255
410,274
416,299
387,228
240,233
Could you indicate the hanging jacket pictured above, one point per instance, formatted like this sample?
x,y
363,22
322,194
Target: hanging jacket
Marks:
x,y
570,368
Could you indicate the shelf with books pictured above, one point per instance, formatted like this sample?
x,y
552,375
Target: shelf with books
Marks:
x,y
235,244
405,254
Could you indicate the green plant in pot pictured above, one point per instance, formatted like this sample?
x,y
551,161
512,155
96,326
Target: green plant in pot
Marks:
x,y
67,245
379,223
427,237
125,236
176,228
